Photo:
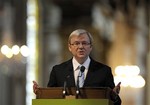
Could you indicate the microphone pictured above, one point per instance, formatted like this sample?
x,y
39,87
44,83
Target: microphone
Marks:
x,y
81,70
65,85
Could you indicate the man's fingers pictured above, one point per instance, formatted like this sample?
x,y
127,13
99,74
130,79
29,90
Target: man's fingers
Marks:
x,y
35,83
117,88
119,84
35,87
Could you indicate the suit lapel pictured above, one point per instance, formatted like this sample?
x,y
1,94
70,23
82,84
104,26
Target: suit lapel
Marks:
x,y
70,73
89,73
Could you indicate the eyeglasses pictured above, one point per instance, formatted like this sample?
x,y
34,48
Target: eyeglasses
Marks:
x,y
77,44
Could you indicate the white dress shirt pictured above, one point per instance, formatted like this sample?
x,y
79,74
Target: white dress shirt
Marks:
x,y
76,67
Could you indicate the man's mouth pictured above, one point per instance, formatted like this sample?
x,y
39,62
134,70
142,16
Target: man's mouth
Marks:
x,y
81,52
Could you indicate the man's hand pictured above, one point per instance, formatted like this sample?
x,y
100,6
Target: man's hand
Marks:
x,y
114,94
35,86
117,88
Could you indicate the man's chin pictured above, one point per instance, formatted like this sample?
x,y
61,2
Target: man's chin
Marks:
x,y
81,56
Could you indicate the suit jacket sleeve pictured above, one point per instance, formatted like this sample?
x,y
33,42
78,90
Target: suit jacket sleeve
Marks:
x,y
60,73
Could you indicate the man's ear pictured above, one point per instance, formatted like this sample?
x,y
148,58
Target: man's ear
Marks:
x,y
91,47
69,47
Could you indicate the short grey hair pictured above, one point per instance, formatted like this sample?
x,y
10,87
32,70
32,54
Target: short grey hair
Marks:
x,y
79,32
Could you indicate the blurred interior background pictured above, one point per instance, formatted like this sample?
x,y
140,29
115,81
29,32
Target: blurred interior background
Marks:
x,y
34,33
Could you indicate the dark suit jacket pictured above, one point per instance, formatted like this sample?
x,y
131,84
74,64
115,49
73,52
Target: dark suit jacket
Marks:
x,y
98,75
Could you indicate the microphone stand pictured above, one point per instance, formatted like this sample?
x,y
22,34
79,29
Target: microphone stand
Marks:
x,y
64,89
65,85
77,87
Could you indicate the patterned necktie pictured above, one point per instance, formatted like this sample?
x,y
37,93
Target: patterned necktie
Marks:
x,y
81,76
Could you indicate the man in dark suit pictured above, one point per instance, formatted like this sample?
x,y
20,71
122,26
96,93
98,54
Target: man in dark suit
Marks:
x,y
95,74
98,75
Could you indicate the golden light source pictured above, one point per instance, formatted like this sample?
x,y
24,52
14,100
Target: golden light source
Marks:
x,y
15,49
129,76
6,51
24,50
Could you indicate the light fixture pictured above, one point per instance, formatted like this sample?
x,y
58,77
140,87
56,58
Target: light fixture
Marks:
x,y
128,75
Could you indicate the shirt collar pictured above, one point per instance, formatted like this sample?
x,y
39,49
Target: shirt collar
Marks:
x,y
76,64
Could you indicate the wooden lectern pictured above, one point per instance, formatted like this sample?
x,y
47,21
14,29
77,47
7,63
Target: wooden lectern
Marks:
x,y
86,96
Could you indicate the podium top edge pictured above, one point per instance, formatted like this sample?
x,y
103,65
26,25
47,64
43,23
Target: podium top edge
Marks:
x,y
100,88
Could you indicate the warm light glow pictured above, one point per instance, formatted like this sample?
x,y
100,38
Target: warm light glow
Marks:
x,y
137,82
127,70
15,49
9,54
129,76
24,50
123,80
4,49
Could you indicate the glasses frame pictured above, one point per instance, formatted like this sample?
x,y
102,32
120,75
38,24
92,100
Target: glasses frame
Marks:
x,y
77,44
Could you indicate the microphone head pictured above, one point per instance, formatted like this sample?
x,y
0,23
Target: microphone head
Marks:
x,y
68,76
82,69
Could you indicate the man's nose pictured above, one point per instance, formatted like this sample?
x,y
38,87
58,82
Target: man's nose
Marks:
x,y
81,45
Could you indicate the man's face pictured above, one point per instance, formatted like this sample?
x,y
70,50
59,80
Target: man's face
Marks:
x,y
80,46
